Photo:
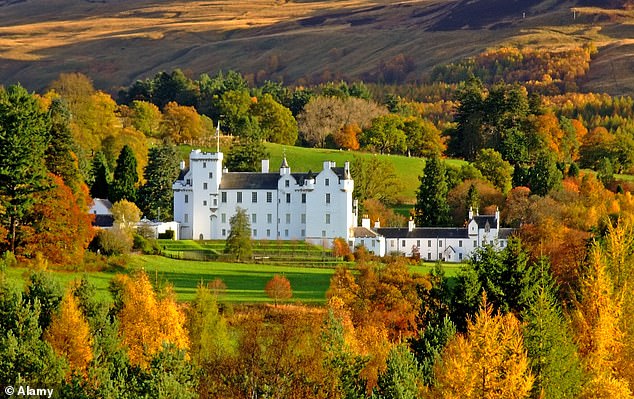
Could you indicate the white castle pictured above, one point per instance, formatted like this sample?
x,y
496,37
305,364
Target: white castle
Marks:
x,y
316,208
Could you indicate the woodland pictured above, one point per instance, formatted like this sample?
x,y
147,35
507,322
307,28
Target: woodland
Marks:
x,y
548,316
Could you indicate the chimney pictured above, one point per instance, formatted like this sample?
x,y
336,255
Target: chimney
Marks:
x,y
265,166
182,165
497,217
411,225
377,224
470,212
365,222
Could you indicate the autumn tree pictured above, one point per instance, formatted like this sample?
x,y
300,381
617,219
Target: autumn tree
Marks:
x,y
156,196
489,361
147,322
431,199
126,214
24,138
181,124
125,177
61,155
278,288
146,118
340,247
423,138
239,240
70,336
61,228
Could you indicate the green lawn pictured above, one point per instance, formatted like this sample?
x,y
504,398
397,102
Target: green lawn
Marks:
x,y
303,159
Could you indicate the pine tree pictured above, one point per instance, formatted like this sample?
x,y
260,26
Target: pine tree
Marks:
x,y
100,176
24,137
431,207
69,335
553,354
156,196
544,175
125,176
473,198
61,159
401,379
239,239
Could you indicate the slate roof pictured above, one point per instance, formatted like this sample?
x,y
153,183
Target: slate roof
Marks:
x,y
181,175
362,232
482,220
424,232
103,221
249,181
505,233
105,202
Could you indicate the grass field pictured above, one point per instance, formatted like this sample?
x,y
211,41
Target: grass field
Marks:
x,y
245,282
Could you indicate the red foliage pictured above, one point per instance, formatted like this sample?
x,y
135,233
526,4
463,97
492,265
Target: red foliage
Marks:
x,y
62,228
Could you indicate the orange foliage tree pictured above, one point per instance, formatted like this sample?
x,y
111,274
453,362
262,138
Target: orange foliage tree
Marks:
x,y
62,227
147,322
69,335
278,288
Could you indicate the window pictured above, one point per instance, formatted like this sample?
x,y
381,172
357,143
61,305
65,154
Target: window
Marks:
x,y
211,175
440,243
428,255
254,218
323,233
255,232
287,183
223,217
303,218
429,243
327,218
268,232
204,203
460,243
327,182
402,243
303,233
224,232
286,233
418,243
215,201
254,197
392,244
186,218
460,256
269,197
239,197
288,218
223,197
204,164
328,198
204,186
186,199
475,243
288,198
189,182
303,198
269,218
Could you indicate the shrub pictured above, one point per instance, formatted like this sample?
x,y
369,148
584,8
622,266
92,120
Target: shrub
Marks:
x,y
168,235
145,245
112,242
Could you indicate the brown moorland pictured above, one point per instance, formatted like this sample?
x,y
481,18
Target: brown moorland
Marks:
x,y
117,41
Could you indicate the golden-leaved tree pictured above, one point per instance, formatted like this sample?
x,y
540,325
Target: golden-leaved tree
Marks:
x,y
597,319
489,361
147,322
69,335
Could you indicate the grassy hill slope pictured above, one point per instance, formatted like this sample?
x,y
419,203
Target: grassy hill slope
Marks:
x,y
117,41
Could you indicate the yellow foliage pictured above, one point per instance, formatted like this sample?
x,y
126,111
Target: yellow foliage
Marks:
x,y
147,323
69,335
490,361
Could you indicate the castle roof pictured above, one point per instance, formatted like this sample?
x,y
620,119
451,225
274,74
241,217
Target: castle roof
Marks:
x,y
249,181
482,220
423,232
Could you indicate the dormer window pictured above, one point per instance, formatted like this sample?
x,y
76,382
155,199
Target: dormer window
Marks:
x,y
287,183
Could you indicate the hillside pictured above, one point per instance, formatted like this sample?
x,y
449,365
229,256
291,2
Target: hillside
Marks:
x,y
116,42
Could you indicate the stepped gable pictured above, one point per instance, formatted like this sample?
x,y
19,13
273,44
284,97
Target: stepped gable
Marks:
x,y
423,232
